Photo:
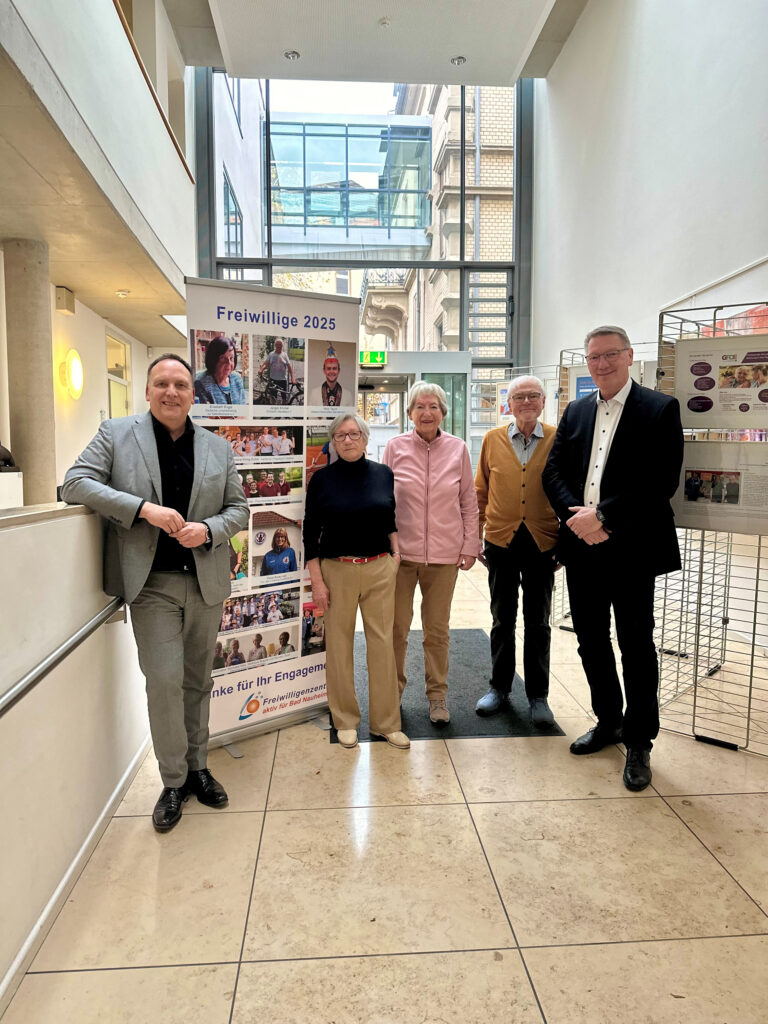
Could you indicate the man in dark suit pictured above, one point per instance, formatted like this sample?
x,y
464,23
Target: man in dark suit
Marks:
x,y
616,535
171,499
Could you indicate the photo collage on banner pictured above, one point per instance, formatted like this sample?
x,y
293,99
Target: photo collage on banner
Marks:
x,y
272,370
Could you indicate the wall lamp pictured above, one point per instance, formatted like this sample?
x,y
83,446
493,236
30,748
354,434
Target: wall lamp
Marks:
x,y
71,374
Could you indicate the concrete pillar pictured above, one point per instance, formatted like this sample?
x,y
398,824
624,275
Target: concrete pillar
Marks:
x,y
30,366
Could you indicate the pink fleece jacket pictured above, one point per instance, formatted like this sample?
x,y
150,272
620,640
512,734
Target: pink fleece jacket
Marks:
x,y
436,503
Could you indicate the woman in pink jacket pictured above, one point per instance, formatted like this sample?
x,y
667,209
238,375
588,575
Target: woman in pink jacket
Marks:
x,y
437,523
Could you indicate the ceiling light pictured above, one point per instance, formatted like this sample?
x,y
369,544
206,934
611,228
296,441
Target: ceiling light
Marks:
x,y
458,61
292,55
122,293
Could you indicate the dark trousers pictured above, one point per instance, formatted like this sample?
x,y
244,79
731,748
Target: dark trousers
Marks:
x,y
521,563
595,585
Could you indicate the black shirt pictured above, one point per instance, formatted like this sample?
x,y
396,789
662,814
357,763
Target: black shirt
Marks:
x,y
350,510
177,469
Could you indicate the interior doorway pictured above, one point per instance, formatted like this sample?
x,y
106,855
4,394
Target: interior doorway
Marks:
x,y
381,401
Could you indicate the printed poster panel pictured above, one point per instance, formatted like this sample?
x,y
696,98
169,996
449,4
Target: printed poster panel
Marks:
x,y
722,383
503,408
331,376
580,383
724,487
249,349
265,361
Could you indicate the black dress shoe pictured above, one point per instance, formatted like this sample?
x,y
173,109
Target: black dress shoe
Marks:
x,y
637,771
492,702
167,812
597,738
207,790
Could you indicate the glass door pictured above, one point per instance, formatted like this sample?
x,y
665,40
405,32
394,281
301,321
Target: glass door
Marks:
x,y
455,387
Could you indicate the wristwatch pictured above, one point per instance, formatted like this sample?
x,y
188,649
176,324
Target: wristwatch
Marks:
x,y
600,516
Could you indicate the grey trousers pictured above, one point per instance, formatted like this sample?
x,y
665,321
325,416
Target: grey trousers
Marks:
x,y
175,633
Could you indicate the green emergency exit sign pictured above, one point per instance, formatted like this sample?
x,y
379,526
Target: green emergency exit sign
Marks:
x,y
369,358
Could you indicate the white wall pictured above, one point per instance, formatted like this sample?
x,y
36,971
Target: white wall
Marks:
x,y
78,420
5,422
87,49
650,166
69,747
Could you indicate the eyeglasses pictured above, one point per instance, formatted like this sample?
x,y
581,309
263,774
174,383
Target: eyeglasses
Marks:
x,y
609,357
353,435
526,396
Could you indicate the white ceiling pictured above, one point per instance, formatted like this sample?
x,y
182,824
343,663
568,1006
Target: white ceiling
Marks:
x,y
345,40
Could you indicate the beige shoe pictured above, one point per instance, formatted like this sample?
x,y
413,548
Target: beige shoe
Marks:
x,y
347,738
439,713
395,739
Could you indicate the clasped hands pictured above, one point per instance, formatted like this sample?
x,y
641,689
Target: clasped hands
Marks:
x,y
586,525
189,535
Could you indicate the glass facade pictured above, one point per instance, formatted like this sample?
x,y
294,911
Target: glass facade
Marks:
x,y
233,221
401,194
362,183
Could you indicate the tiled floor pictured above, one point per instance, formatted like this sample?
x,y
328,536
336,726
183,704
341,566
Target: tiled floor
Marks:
x,y
474,880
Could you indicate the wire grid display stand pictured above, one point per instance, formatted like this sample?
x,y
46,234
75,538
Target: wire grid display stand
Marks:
x,y
714,677
712,638
712,616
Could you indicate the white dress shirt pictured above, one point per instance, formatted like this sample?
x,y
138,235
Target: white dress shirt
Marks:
x,y
606,421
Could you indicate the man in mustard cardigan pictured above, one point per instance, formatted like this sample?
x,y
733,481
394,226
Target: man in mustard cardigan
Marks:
x,y
520,536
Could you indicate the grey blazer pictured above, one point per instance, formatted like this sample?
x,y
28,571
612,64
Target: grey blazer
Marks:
x,y
120,467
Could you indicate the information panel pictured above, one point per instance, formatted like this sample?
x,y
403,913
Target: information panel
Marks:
x,y
272,369
722,383
724,487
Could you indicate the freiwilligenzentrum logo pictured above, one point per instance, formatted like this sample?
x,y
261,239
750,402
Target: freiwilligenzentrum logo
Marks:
x,y
251,706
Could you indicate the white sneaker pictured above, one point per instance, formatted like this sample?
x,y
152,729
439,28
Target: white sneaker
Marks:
x,y
347,738
439,713
395,739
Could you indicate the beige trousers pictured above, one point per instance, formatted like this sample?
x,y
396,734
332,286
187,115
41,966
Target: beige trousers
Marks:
x,y
371,587
437,584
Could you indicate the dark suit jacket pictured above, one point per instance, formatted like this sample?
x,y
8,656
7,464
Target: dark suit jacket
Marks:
x,y
641,474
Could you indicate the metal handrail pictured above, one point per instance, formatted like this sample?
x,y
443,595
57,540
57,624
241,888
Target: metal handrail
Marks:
x,y
39,672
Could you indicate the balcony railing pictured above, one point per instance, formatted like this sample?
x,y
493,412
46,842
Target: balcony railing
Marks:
x,y
389,278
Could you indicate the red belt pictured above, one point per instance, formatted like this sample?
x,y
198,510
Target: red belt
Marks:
x,y
362,561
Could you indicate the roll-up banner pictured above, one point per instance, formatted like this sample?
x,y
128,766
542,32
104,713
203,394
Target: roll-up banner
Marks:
x,y
272,369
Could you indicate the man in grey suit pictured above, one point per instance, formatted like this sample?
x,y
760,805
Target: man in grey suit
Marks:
x,y
171,500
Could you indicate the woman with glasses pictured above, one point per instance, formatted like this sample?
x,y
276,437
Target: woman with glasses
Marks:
x,y
351,548
437,523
